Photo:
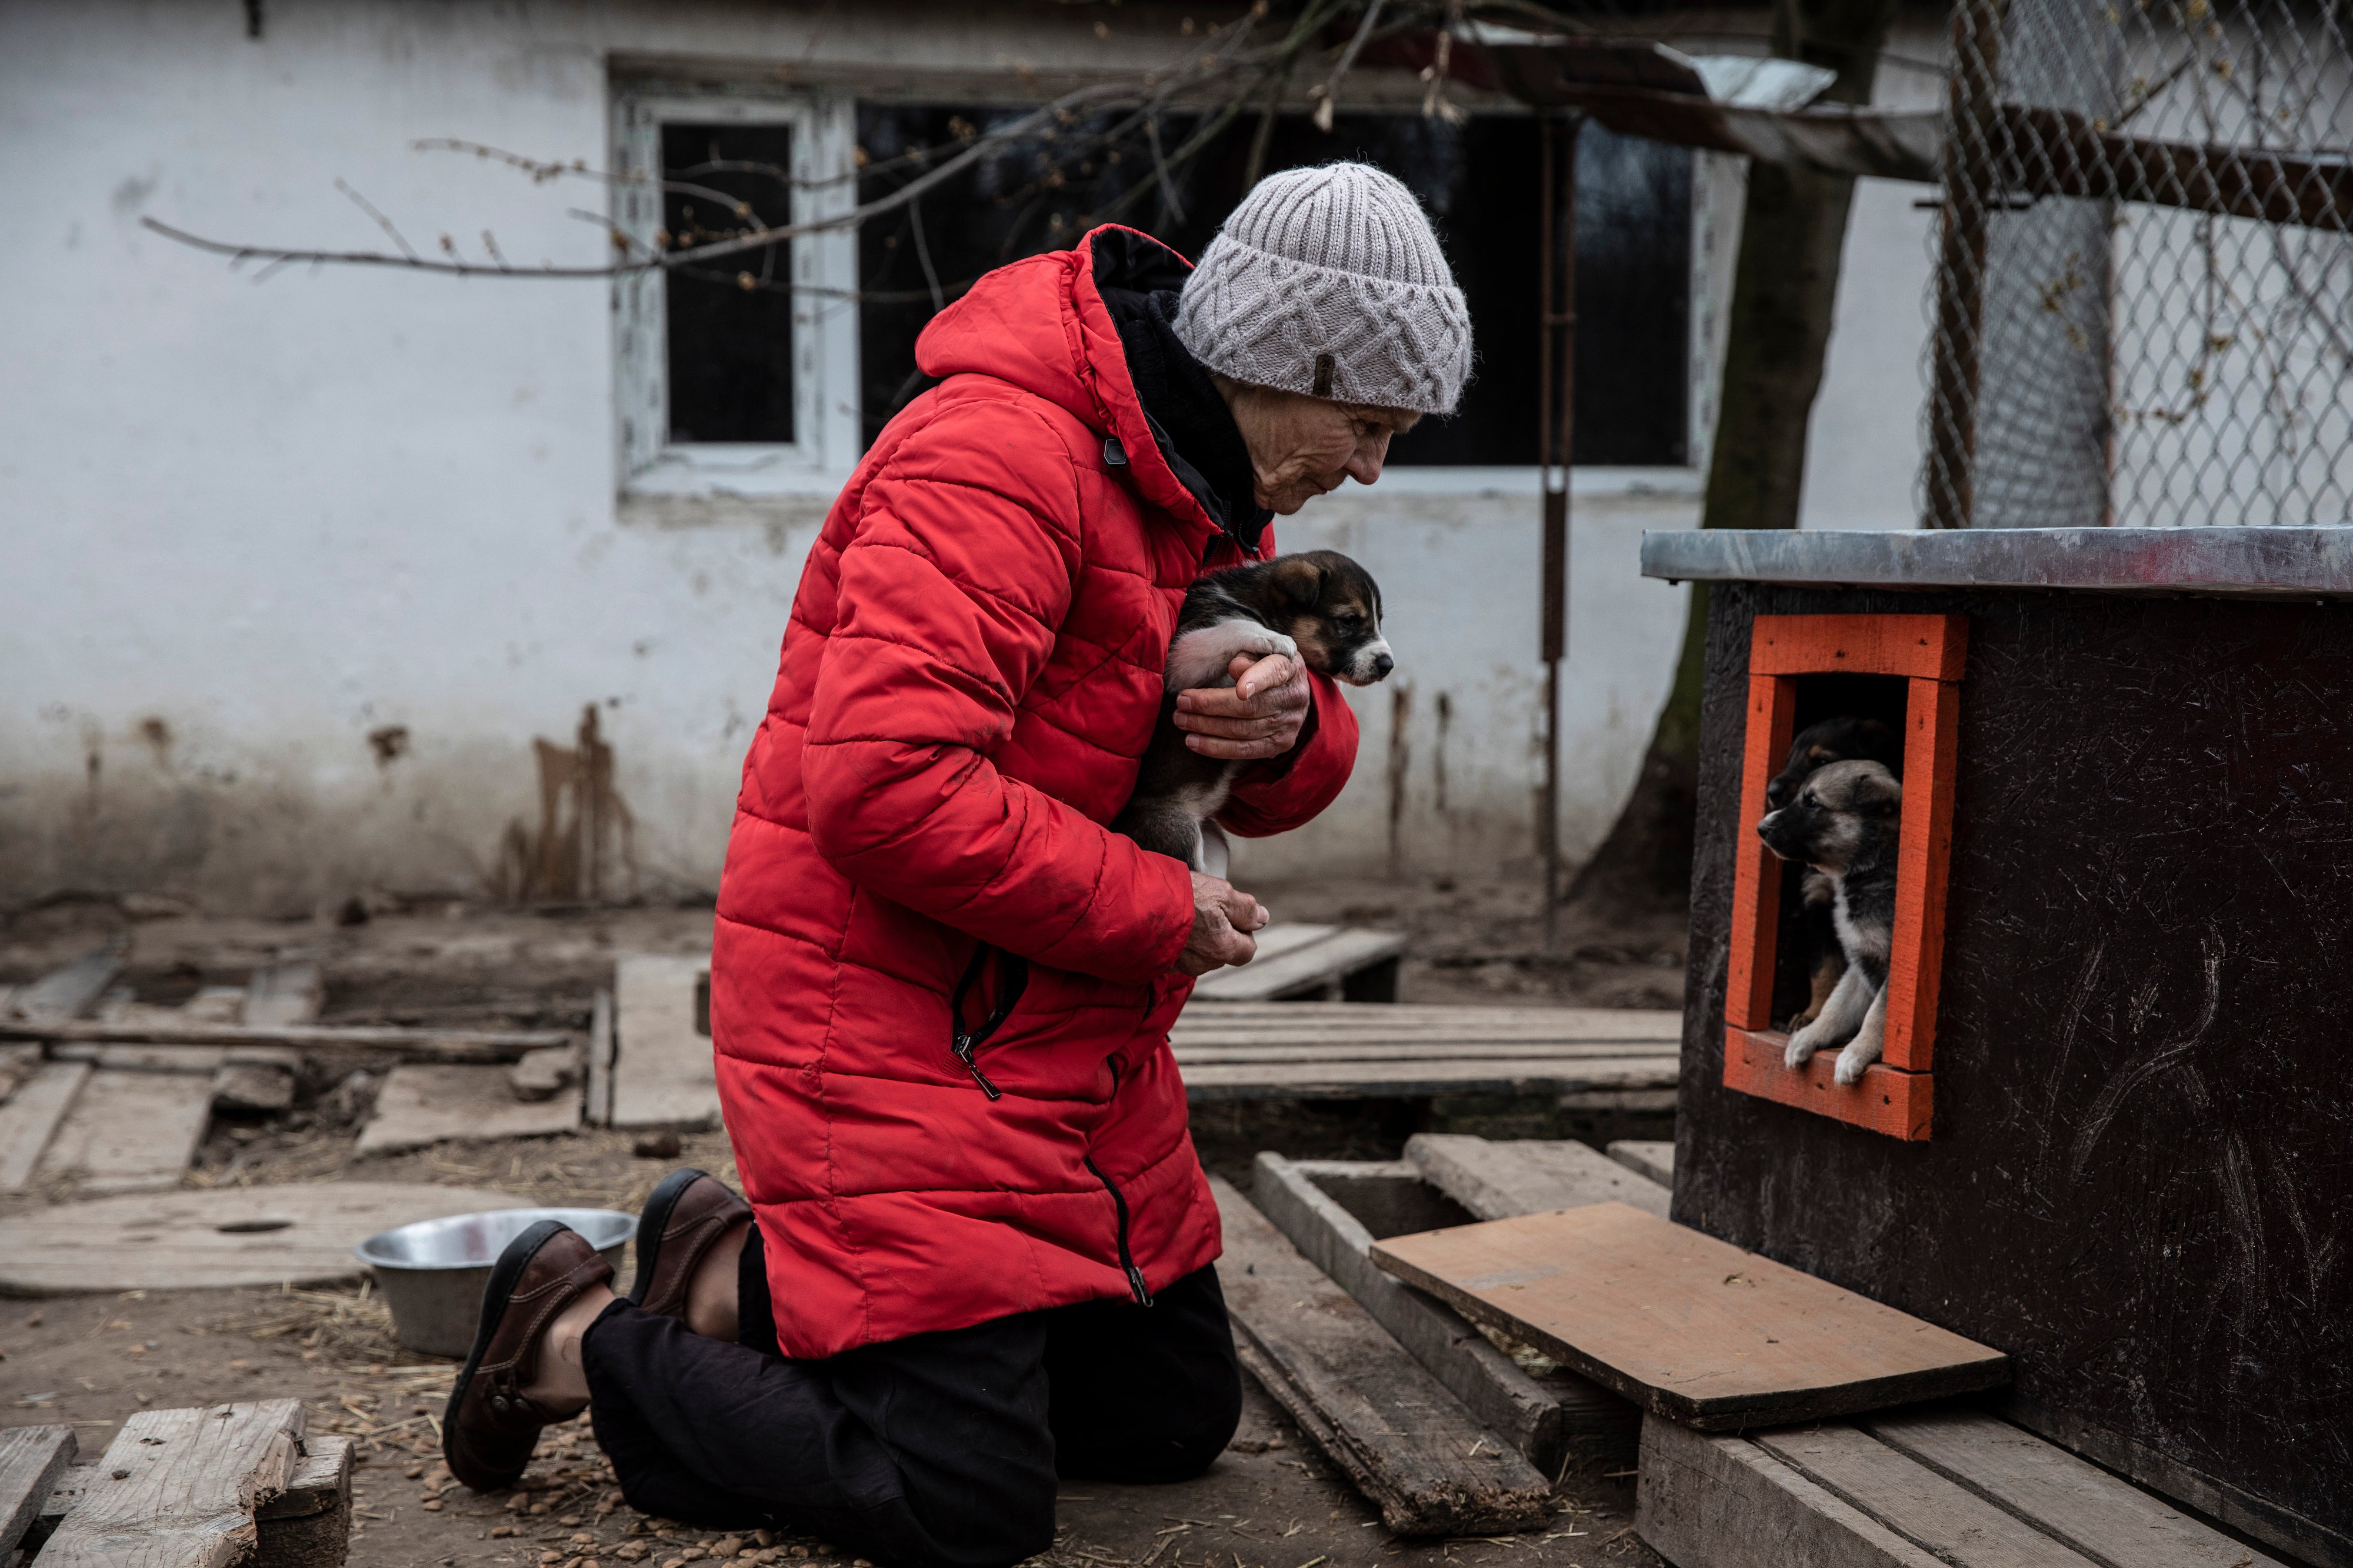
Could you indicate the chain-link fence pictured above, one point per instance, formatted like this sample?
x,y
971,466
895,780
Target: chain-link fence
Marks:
x,y
2142,307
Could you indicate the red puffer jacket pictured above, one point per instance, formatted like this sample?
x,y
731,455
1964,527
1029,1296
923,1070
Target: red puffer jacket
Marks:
x,y
969,680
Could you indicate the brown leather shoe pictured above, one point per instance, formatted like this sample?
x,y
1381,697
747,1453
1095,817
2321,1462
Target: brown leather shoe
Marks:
x,y
490,1428
688,1210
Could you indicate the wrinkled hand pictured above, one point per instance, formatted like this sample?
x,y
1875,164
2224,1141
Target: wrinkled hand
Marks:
x,y
1259,717
1223,918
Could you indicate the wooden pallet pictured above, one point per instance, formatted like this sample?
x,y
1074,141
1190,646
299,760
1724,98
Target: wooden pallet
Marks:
x,y
1754,1341
1341,964
1333,1210
1407,1444
1939,1489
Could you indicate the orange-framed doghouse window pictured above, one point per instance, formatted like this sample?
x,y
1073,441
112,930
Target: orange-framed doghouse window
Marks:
x,y
1925,653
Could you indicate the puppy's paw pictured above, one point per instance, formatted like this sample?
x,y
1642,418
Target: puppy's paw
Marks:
x,y
1856,1061
1801,1020
1803,1044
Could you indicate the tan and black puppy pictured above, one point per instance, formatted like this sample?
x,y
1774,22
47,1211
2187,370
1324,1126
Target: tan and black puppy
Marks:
x,y
1319,607
1843,822
1845,738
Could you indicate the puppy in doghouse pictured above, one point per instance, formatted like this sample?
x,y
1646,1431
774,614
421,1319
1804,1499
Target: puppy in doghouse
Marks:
x,y
1842,740
1842,822
1319,607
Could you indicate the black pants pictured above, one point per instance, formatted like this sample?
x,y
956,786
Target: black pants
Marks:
x,y
939,1451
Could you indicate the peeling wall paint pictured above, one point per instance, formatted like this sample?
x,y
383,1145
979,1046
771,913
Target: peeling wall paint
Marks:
x,y
305,584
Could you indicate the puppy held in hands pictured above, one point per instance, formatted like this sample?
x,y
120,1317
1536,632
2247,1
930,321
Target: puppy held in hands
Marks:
x,y
1319,607
1842,822
1845,738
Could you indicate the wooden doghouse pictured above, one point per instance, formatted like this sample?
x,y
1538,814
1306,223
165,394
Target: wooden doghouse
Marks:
x,y
2112,1131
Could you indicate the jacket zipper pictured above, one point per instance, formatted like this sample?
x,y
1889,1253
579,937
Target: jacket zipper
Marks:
x,y
1013,978
1126,1259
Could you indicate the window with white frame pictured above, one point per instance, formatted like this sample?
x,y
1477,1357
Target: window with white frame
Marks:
x,y
738,376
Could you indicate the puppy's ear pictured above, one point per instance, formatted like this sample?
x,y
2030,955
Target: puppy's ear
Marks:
x,y
1876,791
1299,579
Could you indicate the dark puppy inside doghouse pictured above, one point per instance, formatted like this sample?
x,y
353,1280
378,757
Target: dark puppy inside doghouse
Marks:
x,y
1319,607
1845,738
1843,822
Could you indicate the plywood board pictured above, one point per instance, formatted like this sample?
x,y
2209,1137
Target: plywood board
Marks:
x,y
1647,1157
228,1235
1496,1179
177,1488
31,1118
1693,1328
663,1074
422,1104
1426,1077
131,1130
1408,1444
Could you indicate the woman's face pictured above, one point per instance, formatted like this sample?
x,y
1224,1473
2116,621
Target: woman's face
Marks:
x,y
1301,447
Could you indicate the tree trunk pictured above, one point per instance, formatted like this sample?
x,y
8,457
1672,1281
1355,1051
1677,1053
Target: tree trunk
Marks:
x,y
1792,228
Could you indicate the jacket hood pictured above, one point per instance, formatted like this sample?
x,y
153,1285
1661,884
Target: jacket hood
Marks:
x,y
1041,324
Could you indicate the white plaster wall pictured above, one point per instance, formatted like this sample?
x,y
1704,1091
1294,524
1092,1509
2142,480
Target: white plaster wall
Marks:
x,y
243,525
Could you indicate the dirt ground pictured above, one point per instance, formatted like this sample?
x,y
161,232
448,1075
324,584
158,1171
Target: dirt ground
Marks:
x,y
1270,1503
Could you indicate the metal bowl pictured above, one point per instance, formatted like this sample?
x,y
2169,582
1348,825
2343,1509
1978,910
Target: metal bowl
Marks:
x,y
433,1273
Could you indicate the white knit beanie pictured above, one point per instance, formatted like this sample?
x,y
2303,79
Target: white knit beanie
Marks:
x,y
1329,282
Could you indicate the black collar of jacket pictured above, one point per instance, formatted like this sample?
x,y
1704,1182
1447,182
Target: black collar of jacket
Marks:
x,y
1139,279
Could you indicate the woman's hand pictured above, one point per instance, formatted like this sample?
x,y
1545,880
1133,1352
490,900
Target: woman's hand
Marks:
x,y
1223,918
1259,717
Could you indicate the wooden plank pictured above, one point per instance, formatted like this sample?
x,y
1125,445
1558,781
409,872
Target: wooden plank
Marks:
x,y
415,1044
215,1004
1686,1325
131,1131
1414,1080
1407,1443
29,1121
599,1108
1899,1104
31,1460
1546,1421
1915,964
1642,1101
1486,1050
68,992
1499,1179
1723,1502
1909,1497
1314,964
177,1489
543,1074
280,995
146,1058
244,1087
1757,870
2111,1521
427,1103
223,1237
1367,1021
1646,1157
662,1070
313,1512
320,1480
1925,647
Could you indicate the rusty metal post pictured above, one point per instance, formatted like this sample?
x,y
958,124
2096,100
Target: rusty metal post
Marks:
x,y
1555,431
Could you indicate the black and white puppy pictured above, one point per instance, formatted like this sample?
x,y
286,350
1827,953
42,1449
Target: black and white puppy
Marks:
x,y
1319,607
1842,740
1843,822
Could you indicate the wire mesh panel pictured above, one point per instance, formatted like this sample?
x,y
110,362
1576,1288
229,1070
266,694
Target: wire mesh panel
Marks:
x,y
2142,310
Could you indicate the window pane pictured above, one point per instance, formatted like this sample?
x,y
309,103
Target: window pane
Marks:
x,y
730,351
1477,180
